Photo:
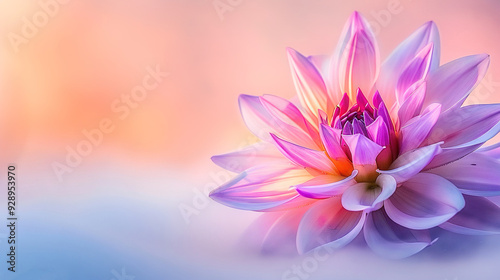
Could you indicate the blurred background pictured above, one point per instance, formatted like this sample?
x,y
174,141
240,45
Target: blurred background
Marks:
x,y
110,111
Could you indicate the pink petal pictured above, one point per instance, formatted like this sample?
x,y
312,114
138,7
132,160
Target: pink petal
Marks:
x,y
311,89
409,164
261,123
415,131
401,57
326,223
391,240
263,189
256,117
350,51
288,113
262,153
331,141
476,174
424,201
322,64
364,154
451,83
305,157
479,217
368,196
358,64
325,186
416,70
412,105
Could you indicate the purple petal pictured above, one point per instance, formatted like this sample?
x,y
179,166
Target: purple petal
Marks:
x,y
326,223
368,196
415,131
409,164
263,189
476,174
463,130
391,240
358,127
424,201
311,89
480,216
331,141
451,83
262,153
412,106
492,151
364,154
325,186
401,57
305,157
417,70
378,132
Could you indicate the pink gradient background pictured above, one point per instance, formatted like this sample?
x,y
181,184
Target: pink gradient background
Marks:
x,y
65,79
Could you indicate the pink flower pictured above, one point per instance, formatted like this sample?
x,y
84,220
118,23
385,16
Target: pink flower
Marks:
x,y
387,150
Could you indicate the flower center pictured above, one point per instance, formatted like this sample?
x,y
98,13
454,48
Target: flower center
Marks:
x,y
371,121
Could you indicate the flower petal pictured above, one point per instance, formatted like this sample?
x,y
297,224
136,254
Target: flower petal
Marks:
x,y
391,240
402,55
274,233
311,89
331,141
262,153
263,189
260,122
492,151
368,196
416,130
325,186
409,164
358,64
379,133
476,174
424,201
326,223
416,70
412,105
294,121
305,157
480,216
463,130
451,83
364,154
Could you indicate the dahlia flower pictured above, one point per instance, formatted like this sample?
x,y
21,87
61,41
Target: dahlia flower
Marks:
x,y
384,150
